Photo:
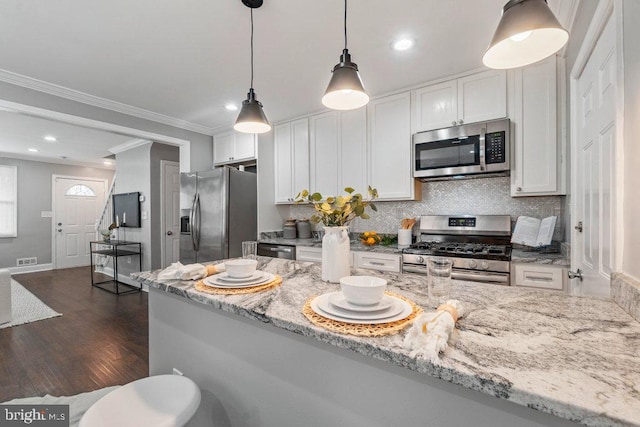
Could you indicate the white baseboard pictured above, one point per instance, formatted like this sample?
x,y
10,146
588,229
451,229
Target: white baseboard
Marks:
x,y
123,278
30,268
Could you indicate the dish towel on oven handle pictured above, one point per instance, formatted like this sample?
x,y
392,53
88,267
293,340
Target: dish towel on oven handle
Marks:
x,y
189,272
429,334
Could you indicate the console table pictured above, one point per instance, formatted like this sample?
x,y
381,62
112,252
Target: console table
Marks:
x,y
115,249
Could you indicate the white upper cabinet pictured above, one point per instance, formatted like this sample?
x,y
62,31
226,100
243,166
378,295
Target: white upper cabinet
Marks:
x,y
352,157
323,131
291,157
389,146
539,166
233,147
478,97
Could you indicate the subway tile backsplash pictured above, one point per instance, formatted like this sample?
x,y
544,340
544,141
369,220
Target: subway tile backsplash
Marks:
x,y
482,196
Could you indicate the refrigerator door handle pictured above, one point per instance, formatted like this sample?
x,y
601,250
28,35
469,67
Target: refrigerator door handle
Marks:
x,y
198,218
192,222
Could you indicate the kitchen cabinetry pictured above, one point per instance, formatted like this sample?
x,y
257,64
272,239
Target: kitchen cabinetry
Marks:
x,y
539,276
338,152
539,161
389,148
291,156
474,98
377,261
233,147
308,253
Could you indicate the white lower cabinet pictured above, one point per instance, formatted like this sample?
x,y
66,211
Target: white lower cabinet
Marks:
x,y
377,261
541,276
307,253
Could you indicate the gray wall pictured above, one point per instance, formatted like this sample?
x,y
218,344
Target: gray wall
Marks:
x,y
158,152
34,196
270,215
134,174
201,145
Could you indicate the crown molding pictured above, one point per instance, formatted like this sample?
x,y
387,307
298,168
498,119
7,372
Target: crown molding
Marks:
x,y
107,104
133,143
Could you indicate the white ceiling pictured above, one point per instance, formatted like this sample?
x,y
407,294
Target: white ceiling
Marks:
x,y
186,59
79,146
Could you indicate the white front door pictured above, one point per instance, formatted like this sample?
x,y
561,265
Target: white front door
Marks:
x,y
170,212
592,214
77,209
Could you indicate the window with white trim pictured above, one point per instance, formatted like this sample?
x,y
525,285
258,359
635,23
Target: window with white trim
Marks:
x,y
8,201
80,190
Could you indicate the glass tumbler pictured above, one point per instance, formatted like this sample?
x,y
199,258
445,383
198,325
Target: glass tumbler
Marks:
x,y
249,249
439,280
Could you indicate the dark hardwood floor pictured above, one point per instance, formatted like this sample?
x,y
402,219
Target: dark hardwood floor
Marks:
x,y
100,340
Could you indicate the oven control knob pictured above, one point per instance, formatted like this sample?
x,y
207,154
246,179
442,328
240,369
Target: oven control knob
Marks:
x,y
420,259
473,264
484,265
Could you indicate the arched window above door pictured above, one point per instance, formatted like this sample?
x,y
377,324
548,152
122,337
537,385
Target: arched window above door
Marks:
x,y
80,190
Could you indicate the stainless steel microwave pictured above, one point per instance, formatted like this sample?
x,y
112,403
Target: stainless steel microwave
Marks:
x,y
476,148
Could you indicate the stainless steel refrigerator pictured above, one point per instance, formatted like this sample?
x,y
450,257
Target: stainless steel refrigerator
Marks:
x,y
218,212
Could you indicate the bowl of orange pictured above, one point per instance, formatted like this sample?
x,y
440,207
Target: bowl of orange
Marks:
x,y
370,238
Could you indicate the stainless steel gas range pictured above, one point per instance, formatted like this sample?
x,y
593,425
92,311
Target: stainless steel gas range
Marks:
x,y
478,245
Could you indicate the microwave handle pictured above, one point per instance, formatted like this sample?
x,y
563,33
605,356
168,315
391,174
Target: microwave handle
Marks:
x,y
483,164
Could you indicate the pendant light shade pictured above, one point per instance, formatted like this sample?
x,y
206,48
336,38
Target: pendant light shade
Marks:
x,y
528,32
251,118
345,90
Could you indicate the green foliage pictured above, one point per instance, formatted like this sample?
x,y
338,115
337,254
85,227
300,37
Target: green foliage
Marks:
x,y
340,210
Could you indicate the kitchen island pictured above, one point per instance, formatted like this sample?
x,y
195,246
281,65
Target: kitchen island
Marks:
x,y
520,355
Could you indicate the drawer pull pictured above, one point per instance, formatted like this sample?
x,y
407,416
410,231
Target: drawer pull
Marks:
x,y
543,279
376,263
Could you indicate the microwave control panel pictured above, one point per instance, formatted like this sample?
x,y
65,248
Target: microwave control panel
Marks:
x,y
495,147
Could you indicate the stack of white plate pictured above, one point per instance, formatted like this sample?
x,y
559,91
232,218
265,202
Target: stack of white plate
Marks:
x,y
224,281
334,306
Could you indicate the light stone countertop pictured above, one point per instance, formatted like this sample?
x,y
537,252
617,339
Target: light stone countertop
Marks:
x,y
520,256
576,358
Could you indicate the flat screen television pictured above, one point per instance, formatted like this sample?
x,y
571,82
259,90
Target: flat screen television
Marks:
x,y
126,208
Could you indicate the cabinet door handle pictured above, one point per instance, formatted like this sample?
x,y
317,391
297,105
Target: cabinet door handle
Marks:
x,y
460,121
518,188
454,123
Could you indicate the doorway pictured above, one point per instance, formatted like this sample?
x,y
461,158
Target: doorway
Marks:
x,y
77,202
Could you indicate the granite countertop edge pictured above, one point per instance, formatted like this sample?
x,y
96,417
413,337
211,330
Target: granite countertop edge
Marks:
x,y
492,384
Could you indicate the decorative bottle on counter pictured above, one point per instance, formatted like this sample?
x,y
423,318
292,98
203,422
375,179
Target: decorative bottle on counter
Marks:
x,y
304,229
289,229
336,255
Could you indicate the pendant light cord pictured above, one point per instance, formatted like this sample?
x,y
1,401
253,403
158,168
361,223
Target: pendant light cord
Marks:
x,y
252,49
345,24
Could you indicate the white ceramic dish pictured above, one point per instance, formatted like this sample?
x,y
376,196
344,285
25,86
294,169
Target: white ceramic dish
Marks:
x,y
337,299
224,277
241,268
406,311
363,290
325,305
217,283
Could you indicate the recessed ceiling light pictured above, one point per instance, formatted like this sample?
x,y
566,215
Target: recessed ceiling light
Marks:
x,y
403,44
33,150
50,138
231,107
107,162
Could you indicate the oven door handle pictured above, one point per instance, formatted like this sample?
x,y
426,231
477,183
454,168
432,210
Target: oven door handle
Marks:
x,y
483,145
502,278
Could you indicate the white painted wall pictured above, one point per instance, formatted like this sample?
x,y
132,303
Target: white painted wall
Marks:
x,y
270,215
631,28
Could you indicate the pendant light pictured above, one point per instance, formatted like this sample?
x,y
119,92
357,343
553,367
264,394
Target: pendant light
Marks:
x,y
345,90
528,32
251,118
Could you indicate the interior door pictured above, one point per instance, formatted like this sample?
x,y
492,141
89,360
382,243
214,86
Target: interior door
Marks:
x,y
170,212
592,237
78,203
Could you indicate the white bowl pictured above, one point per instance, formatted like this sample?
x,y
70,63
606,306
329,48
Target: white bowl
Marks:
x,y
241,268
363,290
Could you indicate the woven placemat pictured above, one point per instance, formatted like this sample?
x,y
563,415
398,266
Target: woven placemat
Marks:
x,y
362,330
200,286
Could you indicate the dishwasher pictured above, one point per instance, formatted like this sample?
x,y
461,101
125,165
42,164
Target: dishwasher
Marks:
x,y
277,251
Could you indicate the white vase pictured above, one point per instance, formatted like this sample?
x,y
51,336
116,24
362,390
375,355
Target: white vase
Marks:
x,y
335,254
